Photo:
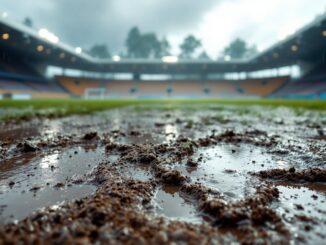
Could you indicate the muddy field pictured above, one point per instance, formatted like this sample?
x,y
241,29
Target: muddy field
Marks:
x,y
189,175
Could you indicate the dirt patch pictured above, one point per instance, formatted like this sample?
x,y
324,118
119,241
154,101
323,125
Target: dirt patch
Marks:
x,y
293,175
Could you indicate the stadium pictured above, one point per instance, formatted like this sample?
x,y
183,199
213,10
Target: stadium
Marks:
x,y
164,149
292,68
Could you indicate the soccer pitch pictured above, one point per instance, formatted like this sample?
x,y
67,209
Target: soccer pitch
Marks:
x,y
56,108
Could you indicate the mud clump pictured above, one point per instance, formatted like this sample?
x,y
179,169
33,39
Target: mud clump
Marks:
x,y
196,191
134,133
59,185
35,188
91,136
293,175
192,163
257,138
254,209
117,147
159,124
27,147
184,147
11,184
144,154
171,177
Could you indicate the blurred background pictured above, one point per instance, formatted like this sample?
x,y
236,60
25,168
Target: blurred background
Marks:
x,y
118,49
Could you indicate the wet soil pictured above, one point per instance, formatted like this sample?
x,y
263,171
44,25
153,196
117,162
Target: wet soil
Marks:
x,y
195,175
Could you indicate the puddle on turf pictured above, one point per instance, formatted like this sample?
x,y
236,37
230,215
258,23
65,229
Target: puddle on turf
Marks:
x,y
308,200
43,173
224,168
169,204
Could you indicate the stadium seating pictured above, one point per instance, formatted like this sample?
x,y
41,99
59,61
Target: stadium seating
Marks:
x,y
148,89
174,88
120,88
39,89
302,89
187,89
15,66
45,87
262,87
77,86
13,86
221,88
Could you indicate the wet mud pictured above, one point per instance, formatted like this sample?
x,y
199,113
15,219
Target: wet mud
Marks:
x,y
195,175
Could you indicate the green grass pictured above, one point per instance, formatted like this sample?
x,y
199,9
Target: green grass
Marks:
x,y
57,108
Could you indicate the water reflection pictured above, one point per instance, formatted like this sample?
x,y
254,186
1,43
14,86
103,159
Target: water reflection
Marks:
x,y
171,132
225,167
35,183
170,204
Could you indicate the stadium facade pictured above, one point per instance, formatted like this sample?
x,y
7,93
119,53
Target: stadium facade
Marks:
x,y
293,68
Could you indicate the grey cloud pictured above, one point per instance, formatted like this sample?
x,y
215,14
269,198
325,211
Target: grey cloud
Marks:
x,y
85,22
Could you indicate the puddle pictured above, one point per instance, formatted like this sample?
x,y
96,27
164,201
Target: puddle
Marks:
x,y
43,173
137,172
309,201
224,168
169,204
16,205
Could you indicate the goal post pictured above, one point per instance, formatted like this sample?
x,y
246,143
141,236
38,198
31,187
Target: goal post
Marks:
x,y
95,93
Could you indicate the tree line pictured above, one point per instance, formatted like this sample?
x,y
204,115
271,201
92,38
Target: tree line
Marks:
x,y
147,45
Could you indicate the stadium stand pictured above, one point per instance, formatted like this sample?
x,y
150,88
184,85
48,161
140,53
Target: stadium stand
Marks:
x,y
174,89
13,86
16,66
22,70
19,80
187,89
311,86
305,89
221,88
45,87
77,86
155,89
11,89
262,87
122,88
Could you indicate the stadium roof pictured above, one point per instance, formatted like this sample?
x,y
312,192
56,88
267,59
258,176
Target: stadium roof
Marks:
x,y
308,44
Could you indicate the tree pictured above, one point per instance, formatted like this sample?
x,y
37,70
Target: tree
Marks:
x,y
100,51
28,22
204,56
251,51
236,50
146,45
133,43
150,46
165,47
189,46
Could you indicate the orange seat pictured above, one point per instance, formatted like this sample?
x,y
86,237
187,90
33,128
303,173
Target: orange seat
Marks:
x,y
77,86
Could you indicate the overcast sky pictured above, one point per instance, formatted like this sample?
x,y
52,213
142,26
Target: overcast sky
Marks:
x,y
216,22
